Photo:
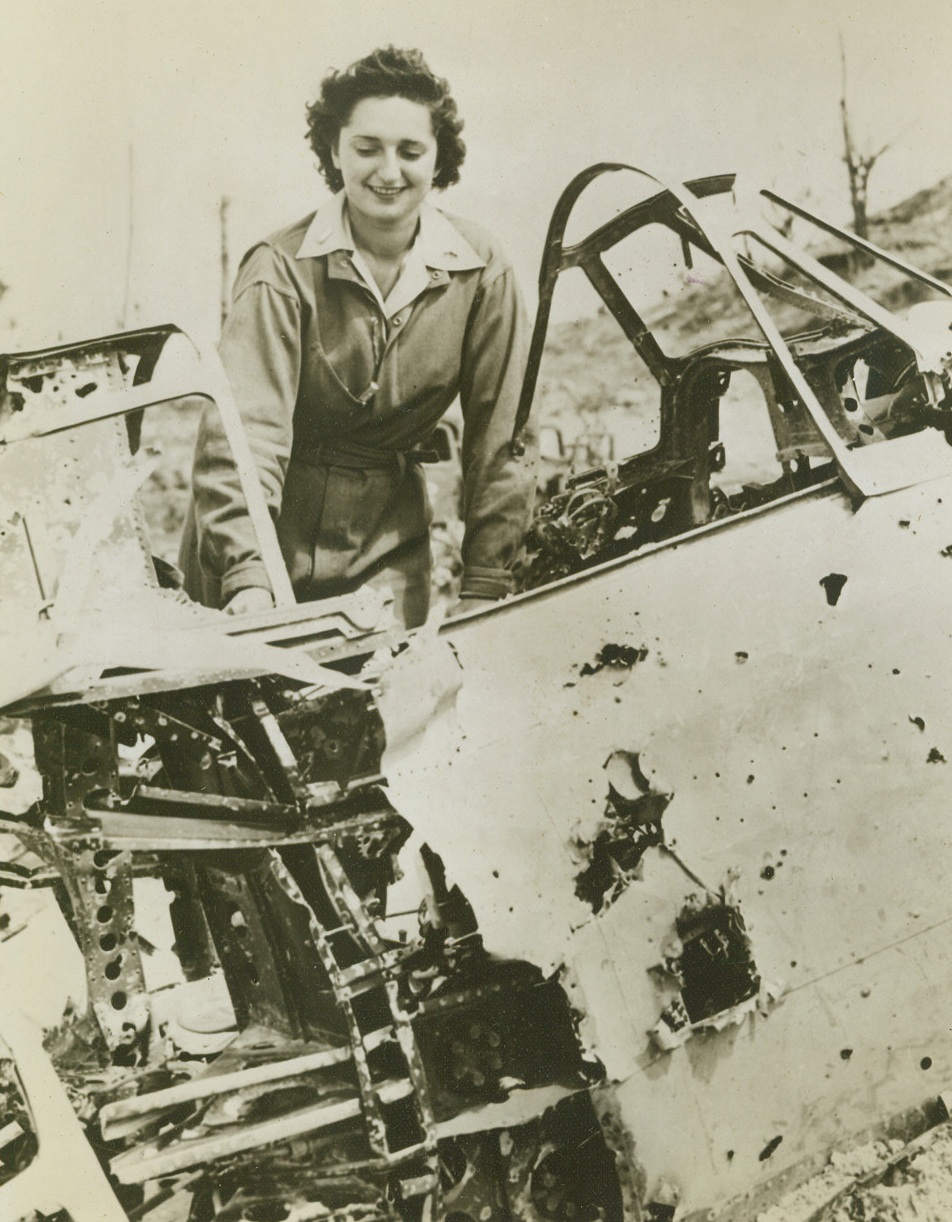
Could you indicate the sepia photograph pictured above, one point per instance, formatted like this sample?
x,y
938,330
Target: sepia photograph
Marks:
x,y
475,611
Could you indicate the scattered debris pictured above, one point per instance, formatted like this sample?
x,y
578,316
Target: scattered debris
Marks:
x,y
935,756
918,721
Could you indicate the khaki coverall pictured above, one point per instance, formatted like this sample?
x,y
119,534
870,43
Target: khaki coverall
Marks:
x,y
337,389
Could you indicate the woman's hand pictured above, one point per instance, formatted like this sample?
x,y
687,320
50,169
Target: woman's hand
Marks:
x,y
252,601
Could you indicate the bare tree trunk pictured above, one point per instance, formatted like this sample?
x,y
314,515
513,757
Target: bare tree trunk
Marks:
x,y
130,243
858,165
225,260
853,169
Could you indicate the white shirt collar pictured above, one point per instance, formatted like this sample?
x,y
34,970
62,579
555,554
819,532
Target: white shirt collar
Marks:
x,y
440,243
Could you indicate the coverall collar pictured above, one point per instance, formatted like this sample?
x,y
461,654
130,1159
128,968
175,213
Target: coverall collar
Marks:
x,y
442,245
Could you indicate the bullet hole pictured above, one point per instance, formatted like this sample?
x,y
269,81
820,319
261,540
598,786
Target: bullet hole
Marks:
x,y
741,655
935,756
925,1063
631,825
793,963
769,1148
833,584
865,992
845,1054
946,551
730,1155
905,523
750,779
715,967
896,670
918,722
767,872
659,1212
618,656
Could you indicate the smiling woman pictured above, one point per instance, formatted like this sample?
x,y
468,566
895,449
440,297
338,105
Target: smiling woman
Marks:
x,y
350,334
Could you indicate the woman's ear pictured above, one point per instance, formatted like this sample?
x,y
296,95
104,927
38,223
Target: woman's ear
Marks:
x,y
334,154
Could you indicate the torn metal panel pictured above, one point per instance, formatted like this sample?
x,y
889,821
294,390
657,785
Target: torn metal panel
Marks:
x,y
779,768
631,825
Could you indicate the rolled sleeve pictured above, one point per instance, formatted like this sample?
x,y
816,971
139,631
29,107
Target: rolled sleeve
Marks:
x,y
498,486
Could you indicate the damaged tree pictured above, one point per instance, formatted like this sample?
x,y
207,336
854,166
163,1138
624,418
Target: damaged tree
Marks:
x,y
859,165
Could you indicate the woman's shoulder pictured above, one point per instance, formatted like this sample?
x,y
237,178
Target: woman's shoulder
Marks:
x,y
485,244
272,259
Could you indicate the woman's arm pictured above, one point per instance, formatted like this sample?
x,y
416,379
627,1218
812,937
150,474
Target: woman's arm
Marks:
x,y
498,487
260,349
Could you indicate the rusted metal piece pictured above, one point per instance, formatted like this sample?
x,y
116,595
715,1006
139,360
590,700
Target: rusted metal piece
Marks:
x,y
99,886
145,1163
220,1083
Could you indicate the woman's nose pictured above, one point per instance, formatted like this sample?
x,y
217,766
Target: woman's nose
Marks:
x,y
389,167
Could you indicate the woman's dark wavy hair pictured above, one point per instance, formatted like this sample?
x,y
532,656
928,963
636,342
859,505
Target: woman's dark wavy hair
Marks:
x,y
386,73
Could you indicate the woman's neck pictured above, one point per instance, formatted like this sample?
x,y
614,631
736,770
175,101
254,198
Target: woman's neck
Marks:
x,y
385,243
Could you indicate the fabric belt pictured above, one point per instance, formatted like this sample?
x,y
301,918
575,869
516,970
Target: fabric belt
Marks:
x,y
357,457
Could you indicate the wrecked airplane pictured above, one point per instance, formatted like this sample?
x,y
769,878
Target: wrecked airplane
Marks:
x,y
624,898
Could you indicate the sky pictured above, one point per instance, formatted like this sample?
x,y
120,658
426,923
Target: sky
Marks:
x,y
125,123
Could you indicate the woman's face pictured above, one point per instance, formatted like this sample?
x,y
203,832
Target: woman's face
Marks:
x,y
387,158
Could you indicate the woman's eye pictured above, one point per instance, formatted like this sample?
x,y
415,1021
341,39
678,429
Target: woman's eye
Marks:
x,y
411,155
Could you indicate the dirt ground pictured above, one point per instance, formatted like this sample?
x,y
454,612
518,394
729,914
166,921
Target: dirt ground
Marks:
x,y
880,1182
